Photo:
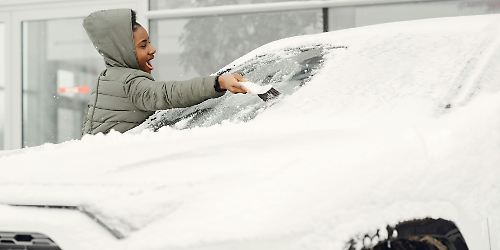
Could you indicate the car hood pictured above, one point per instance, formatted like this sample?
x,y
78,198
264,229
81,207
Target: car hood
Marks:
x,y
403,124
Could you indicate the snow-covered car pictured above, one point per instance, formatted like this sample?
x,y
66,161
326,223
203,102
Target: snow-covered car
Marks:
x,y
383,135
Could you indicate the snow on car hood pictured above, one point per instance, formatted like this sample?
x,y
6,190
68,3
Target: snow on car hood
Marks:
x,y
402,124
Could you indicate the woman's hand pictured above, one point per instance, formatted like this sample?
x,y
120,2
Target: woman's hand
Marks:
x,y
231,82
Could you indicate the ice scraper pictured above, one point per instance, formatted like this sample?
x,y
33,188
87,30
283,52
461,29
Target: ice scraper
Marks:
x,y
265,92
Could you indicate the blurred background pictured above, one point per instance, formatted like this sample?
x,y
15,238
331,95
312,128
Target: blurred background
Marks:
x,y
48,65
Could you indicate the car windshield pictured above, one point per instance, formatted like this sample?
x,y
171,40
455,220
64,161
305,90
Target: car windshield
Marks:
x,y
286,70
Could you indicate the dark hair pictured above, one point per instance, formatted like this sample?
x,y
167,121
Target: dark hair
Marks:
x,y
135,24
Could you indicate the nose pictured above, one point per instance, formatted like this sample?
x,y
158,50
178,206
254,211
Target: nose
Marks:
x,y
152,51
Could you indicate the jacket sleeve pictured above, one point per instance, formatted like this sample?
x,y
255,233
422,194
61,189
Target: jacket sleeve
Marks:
x,y
149,95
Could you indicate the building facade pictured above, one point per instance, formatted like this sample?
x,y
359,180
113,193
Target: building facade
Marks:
x,y
48,65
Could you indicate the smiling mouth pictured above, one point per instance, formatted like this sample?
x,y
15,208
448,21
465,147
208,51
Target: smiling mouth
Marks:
x,y
149,65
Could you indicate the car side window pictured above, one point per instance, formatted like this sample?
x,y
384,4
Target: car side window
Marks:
x,y
287,70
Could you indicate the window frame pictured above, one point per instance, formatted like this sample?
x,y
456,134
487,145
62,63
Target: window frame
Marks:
x,y
5,20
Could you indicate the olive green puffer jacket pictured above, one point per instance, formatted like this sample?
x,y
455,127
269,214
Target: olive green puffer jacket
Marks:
x,y
125,96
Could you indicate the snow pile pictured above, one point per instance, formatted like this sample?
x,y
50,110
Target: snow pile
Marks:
x,y
405,123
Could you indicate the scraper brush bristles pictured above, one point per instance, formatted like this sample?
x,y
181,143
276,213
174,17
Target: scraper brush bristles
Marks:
x,y
270,94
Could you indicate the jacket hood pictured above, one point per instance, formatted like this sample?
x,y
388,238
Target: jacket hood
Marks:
x,y
111,34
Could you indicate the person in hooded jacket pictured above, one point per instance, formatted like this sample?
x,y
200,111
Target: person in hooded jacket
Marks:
x,y
126,93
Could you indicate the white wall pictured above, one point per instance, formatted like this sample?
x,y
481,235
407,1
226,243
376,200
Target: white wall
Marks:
x,y
2,56
2,83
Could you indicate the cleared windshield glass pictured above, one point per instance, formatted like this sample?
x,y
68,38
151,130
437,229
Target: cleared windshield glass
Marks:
x,y
285,70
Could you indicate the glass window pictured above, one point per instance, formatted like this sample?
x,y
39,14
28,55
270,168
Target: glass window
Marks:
x,y
177,4
286,70
59,66
348,17
200,46
2,85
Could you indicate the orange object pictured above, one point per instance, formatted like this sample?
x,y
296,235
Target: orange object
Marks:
x,y
84,89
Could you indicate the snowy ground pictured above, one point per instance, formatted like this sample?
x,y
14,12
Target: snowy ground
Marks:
x,y
369,141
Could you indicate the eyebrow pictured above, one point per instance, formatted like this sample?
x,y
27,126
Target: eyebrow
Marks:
x,y
143,40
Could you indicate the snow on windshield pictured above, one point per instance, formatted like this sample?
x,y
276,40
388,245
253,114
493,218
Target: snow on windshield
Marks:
x,y
286,70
